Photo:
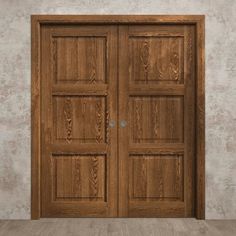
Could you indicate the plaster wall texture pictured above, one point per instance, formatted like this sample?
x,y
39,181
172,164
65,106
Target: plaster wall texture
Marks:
x,y
15,120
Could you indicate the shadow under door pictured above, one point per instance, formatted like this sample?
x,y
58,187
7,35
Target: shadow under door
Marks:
x,y
118,120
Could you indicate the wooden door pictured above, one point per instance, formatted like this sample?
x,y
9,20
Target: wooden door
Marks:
x,y
118,113
157,120
79,98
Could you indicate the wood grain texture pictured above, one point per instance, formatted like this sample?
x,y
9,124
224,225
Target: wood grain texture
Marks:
x,y
79,178
178,24
190,124
123,209
78,161
200,129
119,19
80,59
35,119
156,59
155,119
79,119
156,177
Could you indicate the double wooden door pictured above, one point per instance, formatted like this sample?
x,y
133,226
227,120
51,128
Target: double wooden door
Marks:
x,y
118,118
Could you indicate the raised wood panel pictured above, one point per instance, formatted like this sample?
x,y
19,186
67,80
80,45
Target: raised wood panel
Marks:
x,y
156,177
79,59
156,119
79,119
79,177
156,59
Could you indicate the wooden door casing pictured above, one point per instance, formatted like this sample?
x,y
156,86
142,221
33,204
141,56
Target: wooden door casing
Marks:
x,y
156,148
79,149
135,72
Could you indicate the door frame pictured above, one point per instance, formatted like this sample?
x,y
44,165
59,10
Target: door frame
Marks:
x,y
36,23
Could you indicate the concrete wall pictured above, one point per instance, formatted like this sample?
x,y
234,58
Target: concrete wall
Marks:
x,y
15,93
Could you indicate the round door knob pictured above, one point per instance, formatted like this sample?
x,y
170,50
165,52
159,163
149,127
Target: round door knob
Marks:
x,y
123,123
112,123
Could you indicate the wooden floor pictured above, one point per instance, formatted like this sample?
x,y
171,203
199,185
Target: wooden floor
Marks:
x,y
116,227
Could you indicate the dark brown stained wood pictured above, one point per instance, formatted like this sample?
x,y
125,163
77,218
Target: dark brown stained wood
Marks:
x,y
79,154
157,89
119,19
152,175
79,177
152,121
156,59
146,70
80,59
81,89
200,119
35,120
156,177
189,117
79,118
123,187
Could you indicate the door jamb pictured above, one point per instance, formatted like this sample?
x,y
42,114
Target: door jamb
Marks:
x,y
38,20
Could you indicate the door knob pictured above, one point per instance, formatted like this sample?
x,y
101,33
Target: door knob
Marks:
x,y
112,123
123,123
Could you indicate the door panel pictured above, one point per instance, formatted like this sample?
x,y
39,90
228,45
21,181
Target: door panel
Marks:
x,y
80,119
79,177
79,97
156,147
156,60
80,59
156,119
155,177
